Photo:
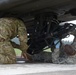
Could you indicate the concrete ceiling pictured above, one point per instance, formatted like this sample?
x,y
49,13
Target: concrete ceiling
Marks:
x,y
29,6
33,5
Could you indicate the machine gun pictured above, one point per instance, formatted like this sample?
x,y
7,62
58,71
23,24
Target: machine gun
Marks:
x,y
63,31
46,31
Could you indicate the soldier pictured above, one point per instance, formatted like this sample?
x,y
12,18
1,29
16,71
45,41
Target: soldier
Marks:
x,y
67,52
10,28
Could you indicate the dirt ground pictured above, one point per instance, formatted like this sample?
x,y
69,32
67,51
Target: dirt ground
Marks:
x,y
37,69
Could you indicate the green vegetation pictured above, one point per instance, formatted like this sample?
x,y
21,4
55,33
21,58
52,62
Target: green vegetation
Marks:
x,y
17,51
47,50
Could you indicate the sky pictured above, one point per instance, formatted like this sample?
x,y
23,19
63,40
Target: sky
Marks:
x,y
16,40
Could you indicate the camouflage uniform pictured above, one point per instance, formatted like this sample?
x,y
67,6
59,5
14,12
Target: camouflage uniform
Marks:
x,y
10,28
42,57
60,56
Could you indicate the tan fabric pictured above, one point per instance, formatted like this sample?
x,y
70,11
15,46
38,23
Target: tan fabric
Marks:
x,y
7,53
10,28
